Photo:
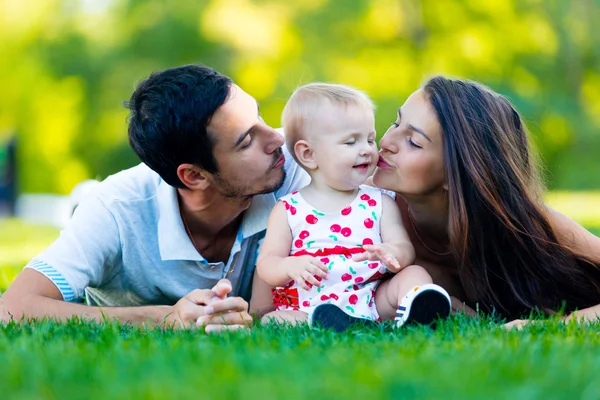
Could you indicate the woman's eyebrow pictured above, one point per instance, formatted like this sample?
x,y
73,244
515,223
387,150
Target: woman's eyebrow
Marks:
x,y
412,127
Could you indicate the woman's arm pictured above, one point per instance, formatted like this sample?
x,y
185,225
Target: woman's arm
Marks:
x,y
574,235
571,234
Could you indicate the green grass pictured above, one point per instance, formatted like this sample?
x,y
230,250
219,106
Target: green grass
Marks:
x,y
463,359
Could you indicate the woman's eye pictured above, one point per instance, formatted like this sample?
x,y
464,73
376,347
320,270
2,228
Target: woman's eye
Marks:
x,y
413,144
395,125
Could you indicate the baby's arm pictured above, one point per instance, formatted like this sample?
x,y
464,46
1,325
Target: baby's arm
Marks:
x,y
393,233
396,250
275,266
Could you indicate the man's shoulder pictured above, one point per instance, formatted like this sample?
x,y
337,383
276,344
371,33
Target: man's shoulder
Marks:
x,y
131,185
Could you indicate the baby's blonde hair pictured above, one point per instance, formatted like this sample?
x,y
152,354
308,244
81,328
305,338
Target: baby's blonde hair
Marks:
x,y
306,100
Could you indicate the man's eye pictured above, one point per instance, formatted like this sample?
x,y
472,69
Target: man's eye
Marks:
x,y
247,144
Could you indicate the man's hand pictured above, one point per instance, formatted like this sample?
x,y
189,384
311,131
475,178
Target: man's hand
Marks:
x,y
379,253
304,270
211,309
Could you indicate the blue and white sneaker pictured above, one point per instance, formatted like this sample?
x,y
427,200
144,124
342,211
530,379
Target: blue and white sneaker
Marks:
x,y
423,305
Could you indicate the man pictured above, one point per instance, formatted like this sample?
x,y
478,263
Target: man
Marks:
x,y
169,240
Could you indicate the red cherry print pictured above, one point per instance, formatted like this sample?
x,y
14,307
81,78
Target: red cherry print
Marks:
x,y
334,296
365,197
359,279
324,260
294,192
347,210
292,210
305,303
335,228
373,265
346,232
372,203
353,299
311,219
304,234
298,243
324,297
346,277
286,204
369,223
367,241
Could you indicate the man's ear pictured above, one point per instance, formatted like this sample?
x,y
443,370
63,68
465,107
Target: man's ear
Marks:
x,y
305,154
193,177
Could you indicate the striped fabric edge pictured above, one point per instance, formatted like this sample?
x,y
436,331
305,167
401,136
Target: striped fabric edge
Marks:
x,y
56,277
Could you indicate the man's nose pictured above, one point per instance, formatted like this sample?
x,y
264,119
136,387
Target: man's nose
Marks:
x,y
275,141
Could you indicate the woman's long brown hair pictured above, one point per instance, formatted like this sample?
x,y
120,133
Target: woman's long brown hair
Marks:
x,y
508,253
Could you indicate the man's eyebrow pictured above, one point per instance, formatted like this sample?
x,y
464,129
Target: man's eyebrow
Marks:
x,y
243,135
414,128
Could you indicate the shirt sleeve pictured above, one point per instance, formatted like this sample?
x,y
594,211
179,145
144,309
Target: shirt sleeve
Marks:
x,y
86,252
295,176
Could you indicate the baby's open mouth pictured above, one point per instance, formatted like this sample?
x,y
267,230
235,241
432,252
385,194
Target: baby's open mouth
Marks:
x,y
364,165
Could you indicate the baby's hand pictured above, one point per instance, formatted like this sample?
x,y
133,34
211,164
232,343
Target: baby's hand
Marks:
x,y
379,253
303,270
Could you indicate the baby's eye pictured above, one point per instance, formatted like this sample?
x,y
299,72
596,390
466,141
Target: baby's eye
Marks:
x,y
371,141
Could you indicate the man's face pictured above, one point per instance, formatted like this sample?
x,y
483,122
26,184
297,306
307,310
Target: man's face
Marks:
x,y
247,151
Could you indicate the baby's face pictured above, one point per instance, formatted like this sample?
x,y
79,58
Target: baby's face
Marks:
x,y
343,141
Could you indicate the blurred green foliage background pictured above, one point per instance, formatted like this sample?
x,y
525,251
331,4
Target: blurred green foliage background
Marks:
x,y
67,65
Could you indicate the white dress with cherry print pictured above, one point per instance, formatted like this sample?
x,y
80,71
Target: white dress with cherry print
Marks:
x,y
333,238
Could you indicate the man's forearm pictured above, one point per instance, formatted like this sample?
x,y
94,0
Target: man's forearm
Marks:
x,y
35,306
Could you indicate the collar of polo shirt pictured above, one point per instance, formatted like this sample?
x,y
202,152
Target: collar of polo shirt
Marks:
x,y
173,241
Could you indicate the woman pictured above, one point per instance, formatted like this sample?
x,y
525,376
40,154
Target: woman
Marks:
x,y
459,158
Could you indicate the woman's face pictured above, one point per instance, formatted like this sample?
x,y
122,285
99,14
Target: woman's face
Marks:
x,y
411,159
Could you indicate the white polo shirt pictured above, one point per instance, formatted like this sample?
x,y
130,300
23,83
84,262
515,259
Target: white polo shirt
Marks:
x,y
126,244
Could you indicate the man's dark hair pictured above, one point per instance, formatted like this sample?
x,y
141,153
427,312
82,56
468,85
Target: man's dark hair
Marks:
x,y
169,113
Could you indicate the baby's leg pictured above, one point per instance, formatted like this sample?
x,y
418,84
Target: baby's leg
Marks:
x,y
411,297
291,317
389,293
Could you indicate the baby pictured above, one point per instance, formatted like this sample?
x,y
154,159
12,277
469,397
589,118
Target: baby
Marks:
x,y
328,245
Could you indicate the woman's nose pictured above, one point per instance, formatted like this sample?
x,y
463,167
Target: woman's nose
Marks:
x,y
387,143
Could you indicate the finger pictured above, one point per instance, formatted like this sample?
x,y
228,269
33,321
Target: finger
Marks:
x,y
360,257
309,277
229,304
300,281
230,318
222,288
221,328
200,296
317,271
320,265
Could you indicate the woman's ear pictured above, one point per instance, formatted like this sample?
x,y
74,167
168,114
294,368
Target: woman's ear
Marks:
x,y
305,154
193,177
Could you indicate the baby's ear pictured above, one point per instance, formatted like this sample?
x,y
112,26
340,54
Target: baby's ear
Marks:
x,y
305,154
